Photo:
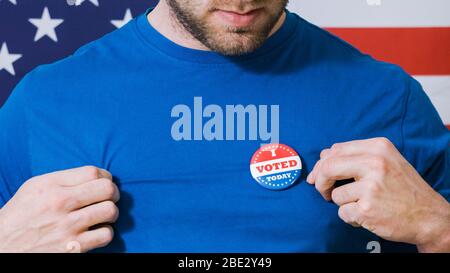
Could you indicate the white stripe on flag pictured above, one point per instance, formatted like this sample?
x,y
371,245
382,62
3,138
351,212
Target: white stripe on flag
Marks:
x,y
438,89
366,13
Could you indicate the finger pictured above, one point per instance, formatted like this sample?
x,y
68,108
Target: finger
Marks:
x,y
100,213
312,175
374,146
76,176
96,238
339,168
349,213
311,178
105,174
347,193
94,191
324,153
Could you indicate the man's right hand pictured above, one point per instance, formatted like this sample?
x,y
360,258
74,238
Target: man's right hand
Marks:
x,y
65,211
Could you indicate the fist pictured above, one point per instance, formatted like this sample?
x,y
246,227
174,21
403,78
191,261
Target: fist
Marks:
x,y
65,211
388,197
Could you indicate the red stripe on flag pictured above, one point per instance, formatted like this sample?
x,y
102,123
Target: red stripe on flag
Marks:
x,y
420,51
448,126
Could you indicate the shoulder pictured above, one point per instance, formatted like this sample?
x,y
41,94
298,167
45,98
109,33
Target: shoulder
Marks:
x,y
91,65
334,58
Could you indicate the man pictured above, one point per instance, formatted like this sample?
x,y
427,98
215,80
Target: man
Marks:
x,y
156,108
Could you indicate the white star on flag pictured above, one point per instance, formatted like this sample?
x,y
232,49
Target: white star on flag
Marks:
x,y
45,26
13,1
120,23
79,2
7,59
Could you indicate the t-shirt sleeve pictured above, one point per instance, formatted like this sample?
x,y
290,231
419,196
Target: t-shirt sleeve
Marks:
x,y
14,160
426,140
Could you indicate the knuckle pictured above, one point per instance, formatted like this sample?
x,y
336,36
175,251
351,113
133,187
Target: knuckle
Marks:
x,y
380,165
108,187
319,187
384,143
38,185
326,167
342,213
106,236
33,185
337,195
324,153
111,210
336,147
365,208
373,187
91,172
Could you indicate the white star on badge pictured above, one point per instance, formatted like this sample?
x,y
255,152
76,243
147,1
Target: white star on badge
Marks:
x,y
120,23
79,2
7,59
45,26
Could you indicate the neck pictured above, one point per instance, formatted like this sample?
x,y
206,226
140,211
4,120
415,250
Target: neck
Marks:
x,y
162,19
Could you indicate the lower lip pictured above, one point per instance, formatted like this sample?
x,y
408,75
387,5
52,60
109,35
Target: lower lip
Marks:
x,y
236,19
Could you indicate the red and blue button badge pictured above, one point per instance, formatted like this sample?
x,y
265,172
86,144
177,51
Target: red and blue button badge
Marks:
x,y
276,166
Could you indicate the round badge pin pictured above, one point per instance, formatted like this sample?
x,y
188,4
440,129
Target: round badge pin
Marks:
x,y
276,166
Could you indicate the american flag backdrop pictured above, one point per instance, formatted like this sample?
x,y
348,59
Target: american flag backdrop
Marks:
x,y
412,33
34,32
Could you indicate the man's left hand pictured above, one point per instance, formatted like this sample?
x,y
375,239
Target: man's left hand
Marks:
x,y
388,197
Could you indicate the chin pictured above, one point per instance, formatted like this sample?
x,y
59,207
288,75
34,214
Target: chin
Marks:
x,y
234,48
231,42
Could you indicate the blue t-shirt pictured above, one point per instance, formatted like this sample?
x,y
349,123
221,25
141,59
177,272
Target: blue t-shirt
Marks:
x,y
117,103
